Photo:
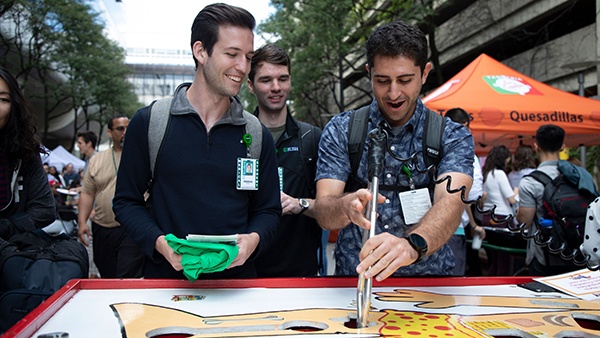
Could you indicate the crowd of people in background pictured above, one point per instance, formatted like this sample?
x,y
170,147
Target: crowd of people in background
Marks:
x,y
280,211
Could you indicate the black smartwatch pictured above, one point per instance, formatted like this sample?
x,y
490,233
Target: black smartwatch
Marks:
x,y
419,244
303,205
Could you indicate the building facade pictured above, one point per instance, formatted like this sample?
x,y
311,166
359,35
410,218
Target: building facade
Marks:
x,y
553,41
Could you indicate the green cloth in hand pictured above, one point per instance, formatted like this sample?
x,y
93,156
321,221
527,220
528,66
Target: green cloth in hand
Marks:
x,y
202,257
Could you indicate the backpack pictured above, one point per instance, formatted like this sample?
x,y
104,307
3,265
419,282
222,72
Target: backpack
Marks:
x,y
357,133
34,265
159,121
565,207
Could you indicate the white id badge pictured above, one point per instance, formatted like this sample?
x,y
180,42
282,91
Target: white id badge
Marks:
x,y
415,204
247,174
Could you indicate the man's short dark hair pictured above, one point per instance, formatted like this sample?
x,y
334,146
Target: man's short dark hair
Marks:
x,y
398,39
270,53
550,138
112,119
88,136
458,115
208,21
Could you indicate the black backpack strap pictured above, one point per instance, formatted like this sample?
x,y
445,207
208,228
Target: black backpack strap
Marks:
x,y
545,180
309,144
357,134
432,138
541,177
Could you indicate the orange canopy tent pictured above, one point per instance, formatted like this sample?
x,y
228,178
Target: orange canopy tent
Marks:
x,y
507,107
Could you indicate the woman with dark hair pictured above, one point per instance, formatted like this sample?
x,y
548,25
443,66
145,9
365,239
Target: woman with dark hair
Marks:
x,y
496,184
500,194
523,164
26,200
57,176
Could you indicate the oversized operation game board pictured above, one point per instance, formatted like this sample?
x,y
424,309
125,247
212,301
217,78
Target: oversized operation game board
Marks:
x,y
322,307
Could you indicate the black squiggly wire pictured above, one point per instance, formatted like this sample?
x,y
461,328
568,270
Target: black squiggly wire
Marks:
x,y
521,228
432,169
546,240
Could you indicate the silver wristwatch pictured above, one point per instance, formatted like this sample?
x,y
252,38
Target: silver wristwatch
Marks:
x,y
303,205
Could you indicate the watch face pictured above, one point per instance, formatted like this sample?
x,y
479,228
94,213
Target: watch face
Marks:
x,y
304,203
418,241
419,244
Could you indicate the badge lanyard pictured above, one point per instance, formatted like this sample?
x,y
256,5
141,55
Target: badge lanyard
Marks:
x,y
247,168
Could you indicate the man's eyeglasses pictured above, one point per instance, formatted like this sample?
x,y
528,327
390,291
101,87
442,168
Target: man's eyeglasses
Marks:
x,y
119,128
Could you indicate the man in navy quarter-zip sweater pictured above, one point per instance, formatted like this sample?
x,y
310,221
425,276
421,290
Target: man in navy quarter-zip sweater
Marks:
x,y
194,188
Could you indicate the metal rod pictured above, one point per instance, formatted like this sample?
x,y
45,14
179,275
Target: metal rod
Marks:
x,y
375,157
365,285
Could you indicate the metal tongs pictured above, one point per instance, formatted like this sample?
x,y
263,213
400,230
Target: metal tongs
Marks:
x,y
375,157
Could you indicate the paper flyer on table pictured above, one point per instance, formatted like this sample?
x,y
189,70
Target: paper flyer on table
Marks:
x,y
584,284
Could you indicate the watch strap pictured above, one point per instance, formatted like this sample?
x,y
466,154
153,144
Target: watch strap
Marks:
x,y
421,250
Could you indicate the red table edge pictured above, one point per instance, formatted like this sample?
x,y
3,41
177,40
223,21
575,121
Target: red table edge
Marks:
x,y
31,323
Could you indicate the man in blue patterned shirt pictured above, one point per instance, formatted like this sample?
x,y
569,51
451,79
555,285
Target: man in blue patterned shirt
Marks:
x,y
410,236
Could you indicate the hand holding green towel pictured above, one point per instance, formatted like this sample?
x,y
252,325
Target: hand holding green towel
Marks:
x,y
202,257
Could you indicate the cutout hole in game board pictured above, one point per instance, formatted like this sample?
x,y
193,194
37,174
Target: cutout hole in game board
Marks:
x,y
304,326
507,333
171,332
351,323
587,321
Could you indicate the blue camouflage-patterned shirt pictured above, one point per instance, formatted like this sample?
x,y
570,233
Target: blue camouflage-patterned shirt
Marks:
x,y
334,163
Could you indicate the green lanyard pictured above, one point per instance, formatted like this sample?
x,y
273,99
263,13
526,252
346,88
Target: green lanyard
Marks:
x,y
410,176
114,160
